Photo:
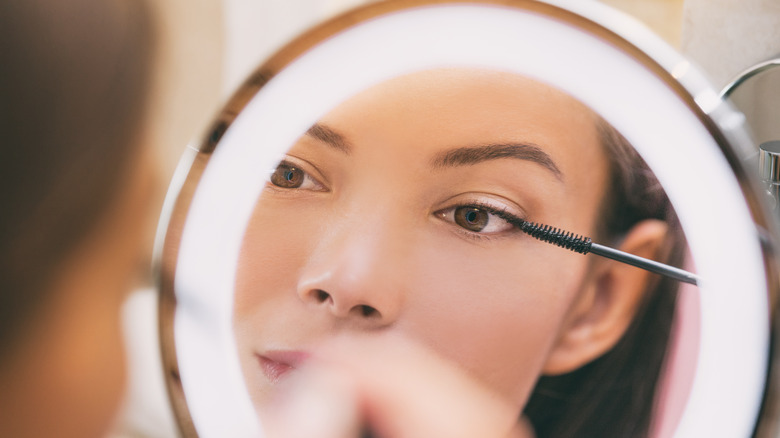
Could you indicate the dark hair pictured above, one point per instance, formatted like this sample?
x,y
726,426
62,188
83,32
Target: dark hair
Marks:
x,y
72,94
613,396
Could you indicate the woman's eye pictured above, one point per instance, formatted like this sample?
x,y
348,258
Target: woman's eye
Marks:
x,y
476,219
289,176
471,218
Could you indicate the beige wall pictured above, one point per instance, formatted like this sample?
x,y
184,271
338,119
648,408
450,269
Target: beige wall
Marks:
x,y
188,77
725,37
664,17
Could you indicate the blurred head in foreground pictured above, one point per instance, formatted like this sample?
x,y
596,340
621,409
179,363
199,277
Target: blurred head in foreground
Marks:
x,y
74,203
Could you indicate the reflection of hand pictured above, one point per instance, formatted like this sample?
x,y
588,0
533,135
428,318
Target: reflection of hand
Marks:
x,y
394,386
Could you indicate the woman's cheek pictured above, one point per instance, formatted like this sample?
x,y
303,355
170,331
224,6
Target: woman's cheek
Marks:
x,y
496,311
275,247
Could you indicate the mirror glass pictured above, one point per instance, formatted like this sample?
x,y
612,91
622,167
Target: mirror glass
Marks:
x,y
398,211
372,175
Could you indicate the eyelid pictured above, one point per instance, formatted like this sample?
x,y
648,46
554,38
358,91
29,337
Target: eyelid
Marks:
x,y
499,205
306,165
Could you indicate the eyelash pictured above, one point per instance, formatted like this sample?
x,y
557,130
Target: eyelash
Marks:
x,y
501,213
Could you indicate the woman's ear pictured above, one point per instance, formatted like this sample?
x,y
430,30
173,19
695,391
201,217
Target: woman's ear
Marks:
x,y
607,303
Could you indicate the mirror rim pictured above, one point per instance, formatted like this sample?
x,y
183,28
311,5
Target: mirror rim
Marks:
x,y
713,116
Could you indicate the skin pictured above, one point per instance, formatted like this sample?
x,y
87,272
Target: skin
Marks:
x,y
356,380
369,243
67,377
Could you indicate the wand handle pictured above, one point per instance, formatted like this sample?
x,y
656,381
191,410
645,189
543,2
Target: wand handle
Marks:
x,y
646,264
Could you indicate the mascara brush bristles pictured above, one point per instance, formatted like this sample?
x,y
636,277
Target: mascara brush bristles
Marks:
x,y
558,237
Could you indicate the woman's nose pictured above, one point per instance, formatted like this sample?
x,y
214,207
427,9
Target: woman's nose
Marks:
x,y
356,278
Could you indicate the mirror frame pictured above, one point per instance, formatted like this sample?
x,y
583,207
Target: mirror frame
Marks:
x,y
720,121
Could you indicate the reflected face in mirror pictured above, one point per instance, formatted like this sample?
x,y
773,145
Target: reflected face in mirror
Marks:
x,y
389,214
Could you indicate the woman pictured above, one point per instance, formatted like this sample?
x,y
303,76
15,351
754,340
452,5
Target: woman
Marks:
x,y
394,214
75,197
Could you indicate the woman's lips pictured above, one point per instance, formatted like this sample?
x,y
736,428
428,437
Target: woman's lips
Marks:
x,y
275,364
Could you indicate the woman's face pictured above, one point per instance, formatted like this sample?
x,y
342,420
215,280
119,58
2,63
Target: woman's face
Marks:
x,y
390,215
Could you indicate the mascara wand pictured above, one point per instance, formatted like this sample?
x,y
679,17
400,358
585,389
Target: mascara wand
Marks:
x,y
585,245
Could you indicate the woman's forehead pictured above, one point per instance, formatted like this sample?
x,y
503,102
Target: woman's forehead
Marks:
x,y
448,108
452,84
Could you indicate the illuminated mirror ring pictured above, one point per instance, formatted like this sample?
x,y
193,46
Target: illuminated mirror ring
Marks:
x,y
660,104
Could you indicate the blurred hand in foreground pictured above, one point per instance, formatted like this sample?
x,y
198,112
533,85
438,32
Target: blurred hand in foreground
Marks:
x,y
391,386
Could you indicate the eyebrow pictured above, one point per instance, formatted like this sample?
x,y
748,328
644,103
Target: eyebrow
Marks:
x,y
467,156
330,138
463,156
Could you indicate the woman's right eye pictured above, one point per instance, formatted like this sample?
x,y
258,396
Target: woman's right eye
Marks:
x,y
289,176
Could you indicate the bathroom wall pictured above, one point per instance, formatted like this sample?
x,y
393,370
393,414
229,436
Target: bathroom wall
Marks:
x,y
726,37
191,47
664,17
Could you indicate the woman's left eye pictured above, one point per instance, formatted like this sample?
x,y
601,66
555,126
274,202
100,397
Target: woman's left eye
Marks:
x,y
289,176
476,219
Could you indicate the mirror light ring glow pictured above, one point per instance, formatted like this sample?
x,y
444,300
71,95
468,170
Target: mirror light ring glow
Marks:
x,y
732,358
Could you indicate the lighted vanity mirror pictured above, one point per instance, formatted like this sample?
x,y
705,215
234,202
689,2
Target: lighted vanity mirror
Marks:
x,y
375,175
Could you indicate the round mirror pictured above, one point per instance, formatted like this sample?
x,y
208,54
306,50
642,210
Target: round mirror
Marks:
x,y
380,173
